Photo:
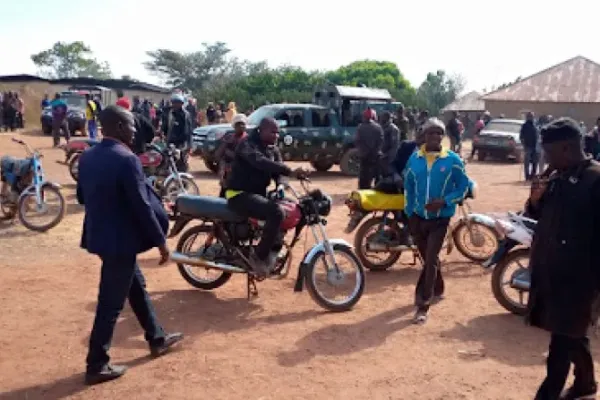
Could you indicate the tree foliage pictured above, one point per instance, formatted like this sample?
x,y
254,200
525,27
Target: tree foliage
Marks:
x,y
70,60
440,89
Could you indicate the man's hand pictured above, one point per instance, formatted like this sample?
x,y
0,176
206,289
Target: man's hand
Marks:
x,y
300,172
538,187
164,254
435,205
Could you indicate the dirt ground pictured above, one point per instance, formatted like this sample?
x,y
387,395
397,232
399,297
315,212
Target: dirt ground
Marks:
x,y
280,345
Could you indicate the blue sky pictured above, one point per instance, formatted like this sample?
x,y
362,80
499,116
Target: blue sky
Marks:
x,y
487,42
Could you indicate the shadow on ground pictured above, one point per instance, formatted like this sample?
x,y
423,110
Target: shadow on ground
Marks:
x,y
341,339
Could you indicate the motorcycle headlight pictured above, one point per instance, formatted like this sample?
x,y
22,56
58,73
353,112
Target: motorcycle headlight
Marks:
x,y
322,202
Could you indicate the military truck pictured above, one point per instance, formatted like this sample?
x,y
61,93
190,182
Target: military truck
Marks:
x,y
309,132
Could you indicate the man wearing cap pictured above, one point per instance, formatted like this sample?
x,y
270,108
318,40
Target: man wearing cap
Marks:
x,y
177,127
369,140
564,262
226,151
434,182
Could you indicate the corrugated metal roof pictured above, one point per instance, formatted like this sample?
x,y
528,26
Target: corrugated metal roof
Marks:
x,y
469,102
109,83
576,80
363,93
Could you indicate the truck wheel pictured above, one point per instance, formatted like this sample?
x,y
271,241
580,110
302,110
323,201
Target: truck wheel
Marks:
x,y
350,163
322,165
212,166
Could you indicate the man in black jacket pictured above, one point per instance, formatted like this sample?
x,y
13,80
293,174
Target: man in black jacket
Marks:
x,y
177,127
564,263
368,142
391,141
529,139
257,161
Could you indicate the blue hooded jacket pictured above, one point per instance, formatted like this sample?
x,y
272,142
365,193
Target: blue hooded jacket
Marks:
x,y
446,179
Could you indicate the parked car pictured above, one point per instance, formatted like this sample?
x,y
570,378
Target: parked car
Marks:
x,y
76,104
309,132
500,139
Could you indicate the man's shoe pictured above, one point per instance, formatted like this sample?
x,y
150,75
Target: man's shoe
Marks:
x,y
108,372
420,317
574,393
170,340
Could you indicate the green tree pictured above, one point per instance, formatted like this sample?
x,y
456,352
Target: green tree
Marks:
x,y
196,71
70,60
439,89
378,74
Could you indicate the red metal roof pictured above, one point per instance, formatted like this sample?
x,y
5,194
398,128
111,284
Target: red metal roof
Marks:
x,y
576,80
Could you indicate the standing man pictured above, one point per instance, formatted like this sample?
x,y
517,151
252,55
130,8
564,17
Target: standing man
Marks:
x,y
434,182
529,137
45,101
177,127
368,142
123,217
90,115
193,111
402,123
391,142
59,119
564,263
453,130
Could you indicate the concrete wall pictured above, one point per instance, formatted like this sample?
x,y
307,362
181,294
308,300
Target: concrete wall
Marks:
x,y
586,112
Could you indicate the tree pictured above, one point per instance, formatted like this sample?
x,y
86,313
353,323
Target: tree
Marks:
x,y
194,71
440,89
70,60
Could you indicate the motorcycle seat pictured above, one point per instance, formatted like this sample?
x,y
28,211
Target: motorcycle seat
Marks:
x,y
15,166
207,207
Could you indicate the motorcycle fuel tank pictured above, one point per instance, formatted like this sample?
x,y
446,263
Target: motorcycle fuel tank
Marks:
x,y
151,158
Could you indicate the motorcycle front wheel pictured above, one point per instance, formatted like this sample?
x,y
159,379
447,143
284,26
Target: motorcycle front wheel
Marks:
x,y
28,203
502,278
74,167
172,190
477,243
319,277
372,259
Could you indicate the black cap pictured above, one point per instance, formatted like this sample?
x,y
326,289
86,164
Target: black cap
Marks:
x,y
560,129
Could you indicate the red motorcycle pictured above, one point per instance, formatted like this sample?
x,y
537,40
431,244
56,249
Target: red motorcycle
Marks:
x,y
227,239
73,150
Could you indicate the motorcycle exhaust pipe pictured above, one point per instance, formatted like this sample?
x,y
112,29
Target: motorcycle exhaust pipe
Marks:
x,y
181,258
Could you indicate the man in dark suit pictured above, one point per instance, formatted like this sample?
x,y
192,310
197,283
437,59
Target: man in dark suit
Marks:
x,y
123,217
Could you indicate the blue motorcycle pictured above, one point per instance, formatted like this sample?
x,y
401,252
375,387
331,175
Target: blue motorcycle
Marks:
x,y
25,192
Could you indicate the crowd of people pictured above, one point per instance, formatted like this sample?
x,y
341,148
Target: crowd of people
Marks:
x,y
12,111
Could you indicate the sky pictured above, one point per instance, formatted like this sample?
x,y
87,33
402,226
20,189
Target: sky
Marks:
x,y
488,43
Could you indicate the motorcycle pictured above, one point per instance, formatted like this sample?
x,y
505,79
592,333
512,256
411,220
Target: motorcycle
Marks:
x,y
73,150
24,188
385,231
160,167
516,234
228,239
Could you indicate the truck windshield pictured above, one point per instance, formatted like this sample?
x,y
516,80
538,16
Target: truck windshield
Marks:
x,y
262,112
74,100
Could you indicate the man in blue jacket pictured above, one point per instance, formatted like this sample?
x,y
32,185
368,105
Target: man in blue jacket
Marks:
x,y
123,217
434,182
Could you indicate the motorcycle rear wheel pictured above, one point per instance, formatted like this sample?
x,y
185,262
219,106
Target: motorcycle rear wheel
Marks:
x,y
323,300
360,245
184,245
498,277
74,167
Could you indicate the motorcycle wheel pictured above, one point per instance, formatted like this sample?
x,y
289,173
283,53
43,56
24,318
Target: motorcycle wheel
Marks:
x,y
499,277
332,279
184,245
360,245
74,167
172,190
26,201
461,234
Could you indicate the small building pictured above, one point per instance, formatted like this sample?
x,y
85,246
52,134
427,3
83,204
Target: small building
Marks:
x,y
469,106
571,88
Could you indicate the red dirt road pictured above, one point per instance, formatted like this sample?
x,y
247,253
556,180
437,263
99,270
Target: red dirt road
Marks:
x,y
280,345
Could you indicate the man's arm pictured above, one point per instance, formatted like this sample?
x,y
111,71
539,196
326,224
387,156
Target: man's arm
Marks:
x,y
189,128
136,192
80,194
259,161
461,183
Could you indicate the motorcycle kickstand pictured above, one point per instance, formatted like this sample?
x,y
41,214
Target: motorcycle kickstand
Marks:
x,y
251,289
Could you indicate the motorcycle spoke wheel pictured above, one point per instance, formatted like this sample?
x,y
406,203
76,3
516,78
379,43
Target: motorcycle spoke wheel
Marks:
x,y
336,289
45,215
512,299
375,260
478,243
